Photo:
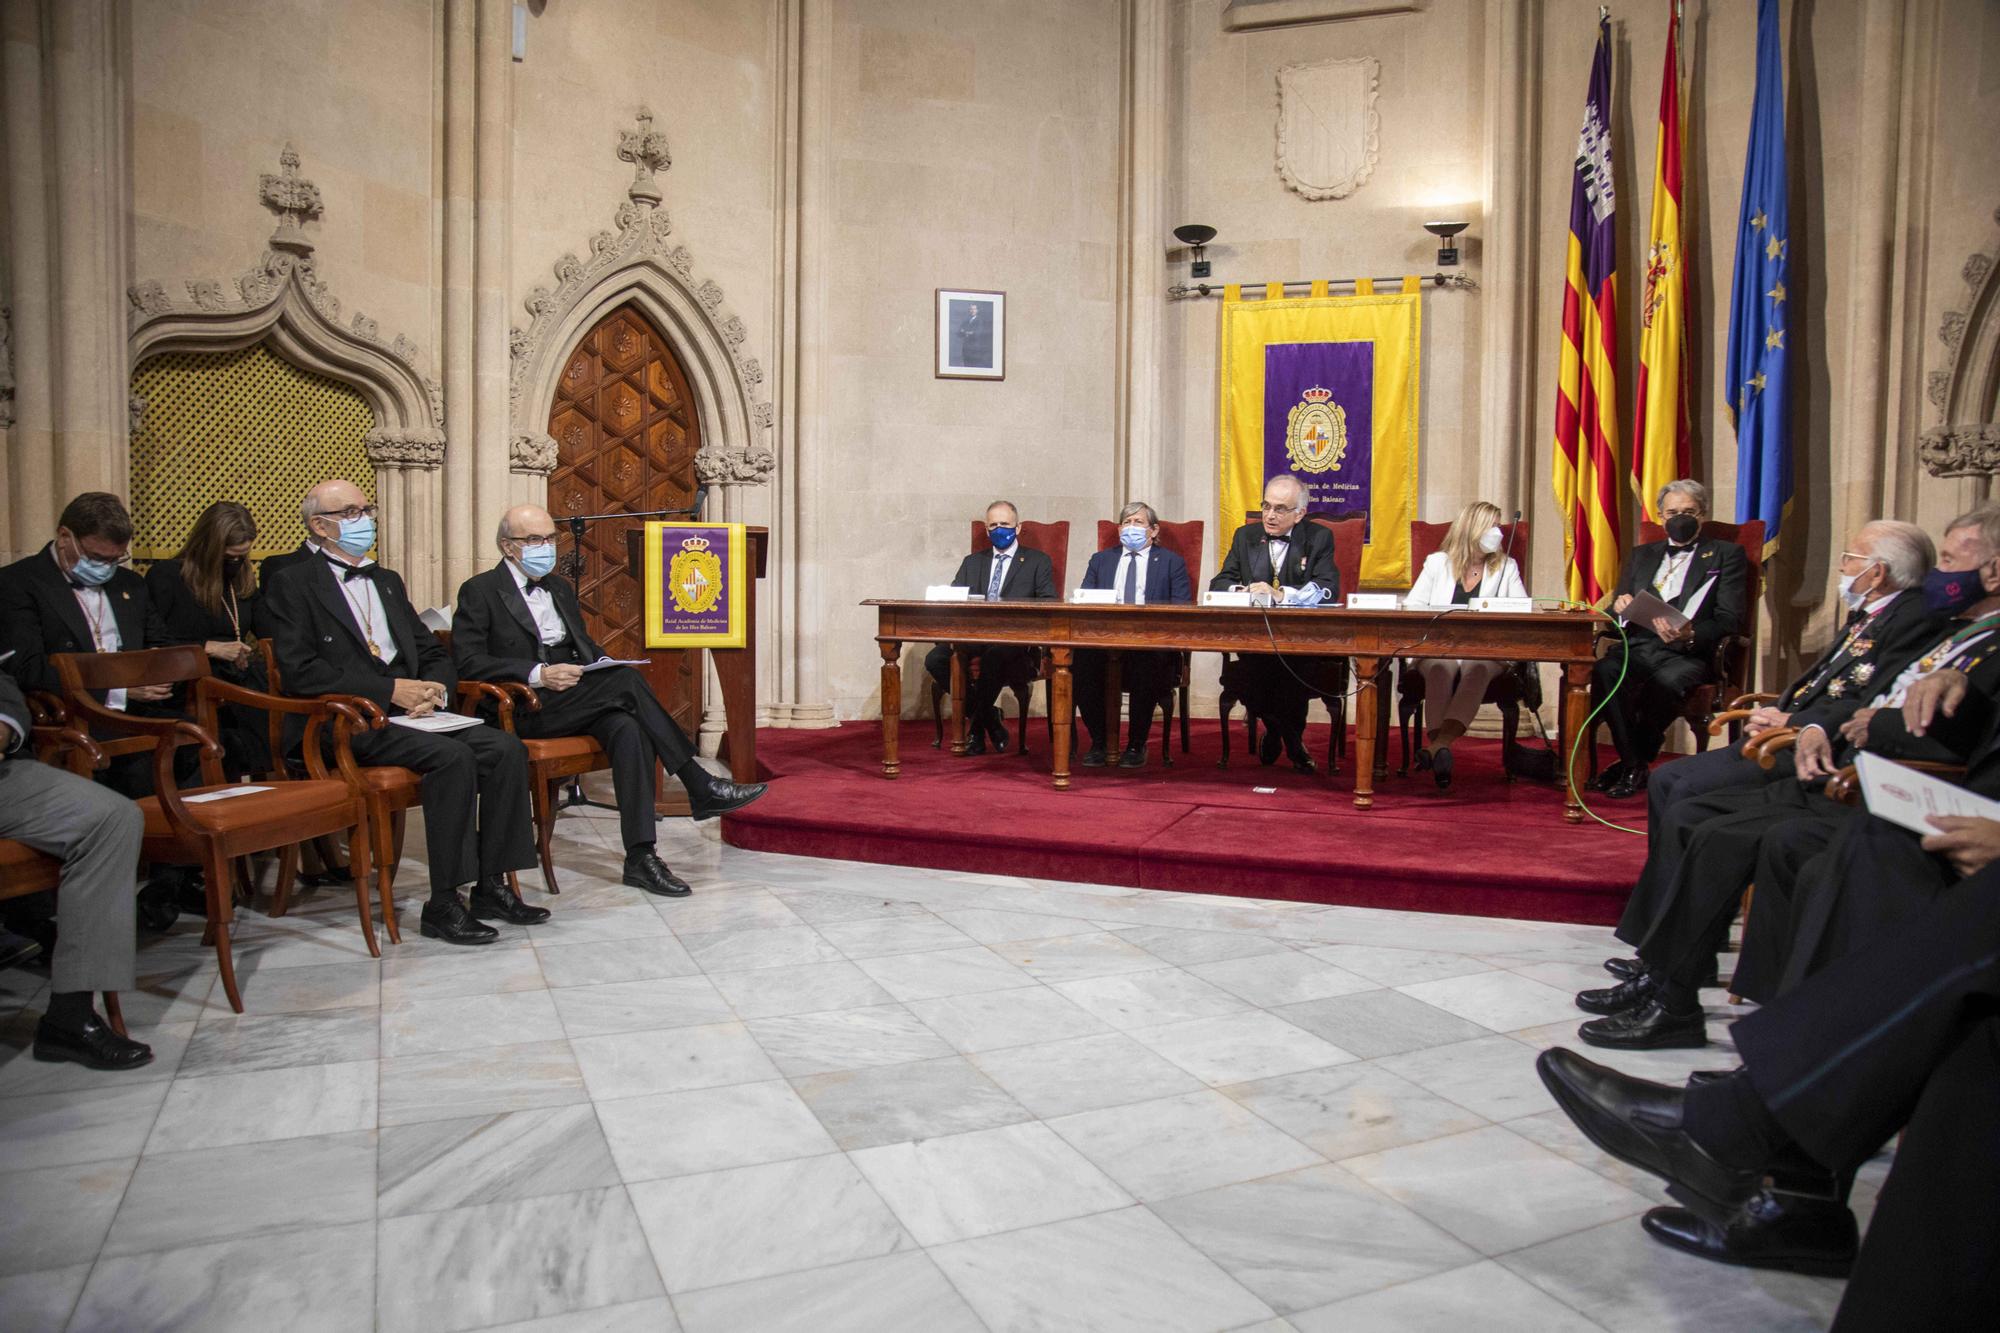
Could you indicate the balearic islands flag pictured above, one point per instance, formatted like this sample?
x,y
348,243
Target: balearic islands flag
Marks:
x,y
1586,455
1754,375
1660,450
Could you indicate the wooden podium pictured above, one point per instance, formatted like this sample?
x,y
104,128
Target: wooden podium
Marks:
x,y
736,668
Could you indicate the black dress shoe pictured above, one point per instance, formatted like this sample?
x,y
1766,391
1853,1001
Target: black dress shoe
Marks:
x,y
996,730
1639,1123
1703,1077
1624,968
1628,994
16,948
494,899
975,742
644,870
1648,1027
159,905
1091,758
1630,783
1441,765
1267,749
94,1044
1422,763
716,797
1607,779
1132,756
1303,763
450,922
1794,1232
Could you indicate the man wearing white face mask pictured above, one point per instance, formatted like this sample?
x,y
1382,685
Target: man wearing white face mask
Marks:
x,y
520,621
1140,571
1470,563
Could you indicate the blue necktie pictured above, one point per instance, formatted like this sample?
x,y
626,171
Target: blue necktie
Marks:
x,y
1128,594
999,577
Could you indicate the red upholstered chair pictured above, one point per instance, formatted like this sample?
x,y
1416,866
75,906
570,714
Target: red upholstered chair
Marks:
x,y
1735,653
1506,692
1052,540
1184,540
1349,535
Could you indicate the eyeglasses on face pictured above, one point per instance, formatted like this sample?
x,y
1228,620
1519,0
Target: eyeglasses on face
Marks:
x,y
534,539
352,511
1269,508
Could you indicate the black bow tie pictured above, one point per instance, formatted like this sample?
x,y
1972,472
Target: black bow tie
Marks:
x,y
535,585
349,573
78,584
1673,550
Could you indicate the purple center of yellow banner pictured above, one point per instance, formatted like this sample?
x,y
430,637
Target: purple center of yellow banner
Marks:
x,y
1319,422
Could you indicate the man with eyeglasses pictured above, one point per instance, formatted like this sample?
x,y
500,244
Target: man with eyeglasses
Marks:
x,y
78,595
1005,572
342,624
520,621
1281,560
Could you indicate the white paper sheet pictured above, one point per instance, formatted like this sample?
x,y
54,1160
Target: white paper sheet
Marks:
x,y
1907,798
222,795
1644,608
438,722
604,662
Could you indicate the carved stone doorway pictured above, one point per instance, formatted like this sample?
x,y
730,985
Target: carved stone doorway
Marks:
x,y
626,432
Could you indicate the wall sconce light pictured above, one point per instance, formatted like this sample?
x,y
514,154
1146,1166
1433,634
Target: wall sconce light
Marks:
x,y
1198,238
1444,231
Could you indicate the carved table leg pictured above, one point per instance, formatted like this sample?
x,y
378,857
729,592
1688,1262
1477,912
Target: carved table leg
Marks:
x,y
1384,692
1114,703
1365,730
958,667
1061,703
892,706
1575,709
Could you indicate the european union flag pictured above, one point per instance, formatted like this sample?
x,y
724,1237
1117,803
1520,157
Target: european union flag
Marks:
x,y
1754,376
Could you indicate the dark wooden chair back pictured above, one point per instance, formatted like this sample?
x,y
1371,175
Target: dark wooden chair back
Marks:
x,y
1736,654
1051,539
1349,536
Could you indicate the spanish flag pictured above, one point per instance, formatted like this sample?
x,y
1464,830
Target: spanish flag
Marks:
x,y
1586,456
1660,454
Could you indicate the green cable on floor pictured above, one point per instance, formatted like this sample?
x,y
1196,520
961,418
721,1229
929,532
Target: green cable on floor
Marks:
x,y
1576,742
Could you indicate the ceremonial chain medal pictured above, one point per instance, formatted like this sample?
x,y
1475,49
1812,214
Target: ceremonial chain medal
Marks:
x,y
96,619
367,619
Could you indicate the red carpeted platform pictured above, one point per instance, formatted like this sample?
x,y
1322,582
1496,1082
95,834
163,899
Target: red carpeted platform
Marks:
x,y
1487,847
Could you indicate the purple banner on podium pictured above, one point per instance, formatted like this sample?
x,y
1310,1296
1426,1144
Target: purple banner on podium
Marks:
x,y
695,585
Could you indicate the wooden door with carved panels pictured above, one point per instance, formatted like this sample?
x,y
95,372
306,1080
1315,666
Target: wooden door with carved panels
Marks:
x,y
626,432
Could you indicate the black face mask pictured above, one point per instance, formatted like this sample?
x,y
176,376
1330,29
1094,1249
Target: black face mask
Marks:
x,y
232,565
1682,529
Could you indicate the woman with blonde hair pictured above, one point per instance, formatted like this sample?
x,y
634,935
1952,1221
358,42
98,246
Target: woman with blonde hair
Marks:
x,y
1470,563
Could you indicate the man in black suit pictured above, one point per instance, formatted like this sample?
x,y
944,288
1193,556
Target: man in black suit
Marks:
x,y
1902,1035
1679,928
520,621
1280,560
76,595
342,624
1705,579
1006,572
1888,627
1141,572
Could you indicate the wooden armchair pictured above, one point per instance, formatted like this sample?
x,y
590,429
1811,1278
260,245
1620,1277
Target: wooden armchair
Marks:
x,y
1331,687
1736,654
181,829
552,761
23,870
1184,540
1052,540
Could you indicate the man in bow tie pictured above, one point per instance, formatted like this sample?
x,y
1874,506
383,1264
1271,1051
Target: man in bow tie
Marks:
x,y
520,621
342,624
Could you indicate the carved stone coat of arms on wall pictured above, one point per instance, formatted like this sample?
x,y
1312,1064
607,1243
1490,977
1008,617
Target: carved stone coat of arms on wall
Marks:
x,y
1329,132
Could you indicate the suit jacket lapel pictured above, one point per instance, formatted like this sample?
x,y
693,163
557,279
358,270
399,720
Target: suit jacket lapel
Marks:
x,y
326,587
62,599
515,601
1259,565
128,611
403,622
571,611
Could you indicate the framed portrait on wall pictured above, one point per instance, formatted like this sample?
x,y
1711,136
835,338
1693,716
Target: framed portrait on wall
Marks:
x,y
971,335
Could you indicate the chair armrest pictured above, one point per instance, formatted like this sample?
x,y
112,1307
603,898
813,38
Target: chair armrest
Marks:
x,y
1751,700
47,709
226,692
472,693
1766,748
1723,721
84,755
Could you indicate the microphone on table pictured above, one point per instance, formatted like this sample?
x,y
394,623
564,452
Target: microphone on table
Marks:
x,y
1508,552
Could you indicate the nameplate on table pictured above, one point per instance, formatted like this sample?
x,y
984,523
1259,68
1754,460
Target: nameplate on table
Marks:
x,y
1216,597
1503,603
940,592
1372,601
1094,597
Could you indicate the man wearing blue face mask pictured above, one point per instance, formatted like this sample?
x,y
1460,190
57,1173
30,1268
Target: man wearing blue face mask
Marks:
x,y
1006,571
1140,572
341,624
520,621
76,595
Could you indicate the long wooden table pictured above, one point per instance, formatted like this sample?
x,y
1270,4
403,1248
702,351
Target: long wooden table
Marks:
x,y
1374,639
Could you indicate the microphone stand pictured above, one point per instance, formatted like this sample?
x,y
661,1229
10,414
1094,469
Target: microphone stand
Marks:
x,y
573,795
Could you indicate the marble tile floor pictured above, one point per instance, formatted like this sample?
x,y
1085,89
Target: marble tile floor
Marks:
x,y
821,1095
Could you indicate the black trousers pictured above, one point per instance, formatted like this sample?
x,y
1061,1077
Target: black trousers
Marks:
x,y
1792,855
619,710
1646,703
1147,676
475,798
1691,917
1271,688
1697,775
1903,1035
998,663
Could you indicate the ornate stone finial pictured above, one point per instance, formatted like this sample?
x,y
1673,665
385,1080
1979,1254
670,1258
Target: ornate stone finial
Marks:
x,y
646,149
294,199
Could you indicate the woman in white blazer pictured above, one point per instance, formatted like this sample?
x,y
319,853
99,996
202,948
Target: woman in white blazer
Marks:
x,y
1469,564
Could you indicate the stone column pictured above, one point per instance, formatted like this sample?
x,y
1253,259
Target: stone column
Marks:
x,y
31,504
1507,273
458,340
492,362
1141,472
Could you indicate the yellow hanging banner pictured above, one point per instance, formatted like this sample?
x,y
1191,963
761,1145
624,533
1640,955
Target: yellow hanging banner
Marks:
x,y
1325,389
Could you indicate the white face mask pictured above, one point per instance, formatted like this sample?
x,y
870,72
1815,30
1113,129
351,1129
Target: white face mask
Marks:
x,y
1491,540
1849,598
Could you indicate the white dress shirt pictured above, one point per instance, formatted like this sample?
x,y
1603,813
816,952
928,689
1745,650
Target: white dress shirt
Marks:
x,y
1001,563
1306,594
1135,561
96,608
549,625
1672,574
371,617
